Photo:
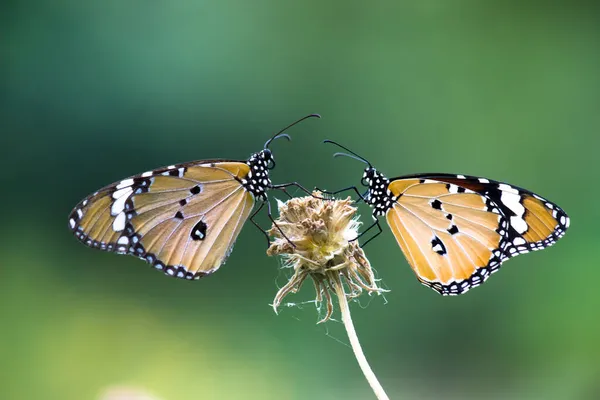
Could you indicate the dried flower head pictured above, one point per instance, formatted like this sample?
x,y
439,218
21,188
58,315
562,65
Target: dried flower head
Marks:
x,y
324,249
316,237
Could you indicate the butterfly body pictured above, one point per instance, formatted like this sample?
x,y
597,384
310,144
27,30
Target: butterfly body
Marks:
x,y
378,196
182,219
457,230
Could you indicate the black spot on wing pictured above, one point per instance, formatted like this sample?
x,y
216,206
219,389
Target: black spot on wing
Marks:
x,y
453,230
199,231
436,204
438,246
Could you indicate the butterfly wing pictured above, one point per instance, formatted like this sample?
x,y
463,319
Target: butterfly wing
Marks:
x,y
456,230
182,219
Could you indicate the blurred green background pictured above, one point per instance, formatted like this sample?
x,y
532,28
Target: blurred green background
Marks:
x,y
92,92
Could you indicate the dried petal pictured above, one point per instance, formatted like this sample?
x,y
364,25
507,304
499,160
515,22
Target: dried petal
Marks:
x,y
324,248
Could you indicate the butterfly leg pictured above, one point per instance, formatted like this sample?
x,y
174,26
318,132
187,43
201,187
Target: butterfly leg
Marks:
x,y
284,190
374,224
258,226
284,186
360,196
275,224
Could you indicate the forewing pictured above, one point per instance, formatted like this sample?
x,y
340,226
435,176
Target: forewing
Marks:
x,y
182,219
457,230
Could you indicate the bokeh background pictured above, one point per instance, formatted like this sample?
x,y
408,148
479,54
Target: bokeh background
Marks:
x,y
92,92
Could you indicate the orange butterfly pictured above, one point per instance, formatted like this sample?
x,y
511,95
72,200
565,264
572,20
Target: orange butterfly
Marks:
x,y
182,219
457,230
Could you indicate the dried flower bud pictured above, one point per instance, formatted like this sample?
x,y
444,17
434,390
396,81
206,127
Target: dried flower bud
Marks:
x,y
315,237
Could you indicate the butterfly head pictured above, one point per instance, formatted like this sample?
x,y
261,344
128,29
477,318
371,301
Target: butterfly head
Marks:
x,y
370,175
268,158
377,196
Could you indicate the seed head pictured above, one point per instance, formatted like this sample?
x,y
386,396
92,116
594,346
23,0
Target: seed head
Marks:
x,y
317,239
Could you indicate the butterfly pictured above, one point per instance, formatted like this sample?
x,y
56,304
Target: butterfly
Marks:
x,y
457,230
182,219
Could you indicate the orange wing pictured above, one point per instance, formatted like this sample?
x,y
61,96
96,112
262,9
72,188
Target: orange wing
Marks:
x,y
183,219
456,231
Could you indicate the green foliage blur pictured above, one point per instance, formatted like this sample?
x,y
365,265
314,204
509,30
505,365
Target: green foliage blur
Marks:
x,y
92,92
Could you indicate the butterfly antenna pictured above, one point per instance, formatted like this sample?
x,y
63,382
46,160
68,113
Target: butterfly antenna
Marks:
x,y
280,134
351,155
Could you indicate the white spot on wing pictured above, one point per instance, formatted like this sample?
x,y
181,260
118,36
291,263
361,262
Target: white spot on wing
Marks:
x,y
483,180
125,183
512,201
147,174
119,222
126,191
118,206
72,223
519,241
519,224
507,188
123,240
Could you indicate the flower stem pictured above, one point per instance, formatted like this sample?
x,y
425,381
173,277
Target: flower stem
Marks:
x,y
356,347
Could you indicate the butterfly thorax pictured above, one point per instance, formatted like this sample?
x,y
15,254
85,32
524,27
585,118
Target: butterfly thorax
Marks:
x,y
378,196
257,180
